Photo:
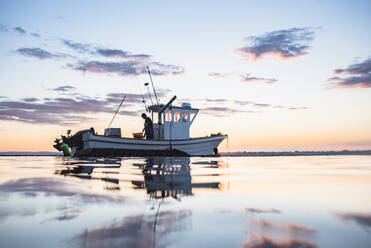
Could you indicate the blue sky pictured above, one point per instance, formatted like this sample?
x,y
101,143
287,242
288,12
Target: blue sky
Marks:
x,y
284,103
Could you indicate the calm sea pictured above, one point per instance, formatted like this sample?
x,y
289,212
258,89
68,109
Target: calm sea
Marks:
x,y
313,201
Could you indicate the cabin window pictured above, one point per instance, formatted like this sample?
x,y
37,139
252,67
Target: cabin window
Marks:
x,y
155,118
168,115
176,116
192,115
184,116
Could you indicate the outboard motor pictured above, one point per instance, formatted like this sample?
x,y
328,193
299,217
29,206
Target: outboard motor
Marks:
x,y
57,145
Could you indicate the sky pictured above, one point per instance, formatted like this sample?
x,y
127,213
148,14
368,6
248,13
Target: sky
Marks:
x,y
273,75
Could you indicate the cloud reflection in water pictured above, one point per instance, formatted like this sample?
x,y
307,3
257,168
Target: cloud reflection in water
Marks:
x,y
42,192
361,219
268,233
136,231
54,186
263,241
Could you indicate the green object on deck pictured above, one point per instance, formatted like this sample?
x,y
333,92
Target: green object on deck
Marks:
x,y
66,150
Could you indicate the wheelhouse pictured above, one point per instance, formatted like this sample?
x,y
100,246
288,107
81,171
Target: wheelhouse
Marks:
x,y
172,122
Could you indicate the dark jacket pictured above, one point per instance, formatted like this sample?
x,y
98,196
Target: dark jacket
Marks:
x,y
148,122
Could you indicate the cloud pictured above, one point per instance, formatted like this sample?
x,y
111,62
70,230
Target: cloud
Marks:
x,y
267,105
35,35
134,64
129,113
355,76
126,68
70,109
64,88
120,54
360,218
263,241
36,53
41,117
360,68
248,78
285,44
297,108
79,47
224,111
224,108
160,69
255,104
362,81
105,52
19,30
219,75
259,210
132,98
3,28
202,101
216,100
30,99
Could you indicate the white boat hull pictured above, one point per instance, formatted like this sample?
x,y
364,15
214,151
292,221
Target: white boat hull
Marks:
x,y
96,145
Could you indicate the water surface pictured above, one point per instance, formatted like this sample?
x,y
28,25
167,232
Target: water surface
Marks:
x,y
313,201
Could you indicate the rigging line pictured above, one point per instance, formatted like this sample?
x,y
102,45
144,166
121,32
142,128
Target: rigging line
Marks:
x,y
154,226
149,94
116,112
154,90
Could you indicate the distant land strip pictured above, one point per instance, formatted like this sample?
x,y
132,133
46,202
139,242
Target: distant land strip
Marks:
x,y
295,153
228,154
31,154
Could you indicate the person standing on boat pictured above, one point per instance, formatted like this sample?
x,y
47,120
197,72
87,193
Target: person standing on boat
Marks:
x,y
148,126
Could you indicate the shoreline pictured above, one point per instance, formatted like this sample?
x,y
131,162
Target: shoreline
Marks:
x,y
223,154
297,153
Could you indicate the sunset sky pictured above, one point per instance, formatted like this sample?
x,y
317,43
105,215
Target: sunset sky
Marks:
x,y
273,75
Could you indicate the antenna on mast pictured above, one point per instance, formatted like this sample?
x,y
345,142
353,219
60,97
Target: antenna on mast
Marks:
x,y
154,90
149,93
144,102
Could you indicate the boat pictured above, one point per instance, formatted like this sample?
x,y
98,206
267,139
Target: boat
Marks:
x,y
171,128
171,137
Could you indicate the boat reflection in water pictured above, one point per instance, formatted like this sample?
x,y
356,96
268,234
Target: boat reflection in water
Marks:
x,y
161,177
86,168
165,177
